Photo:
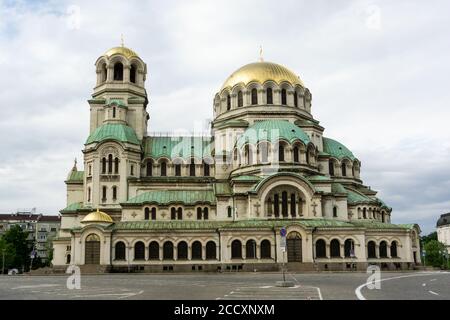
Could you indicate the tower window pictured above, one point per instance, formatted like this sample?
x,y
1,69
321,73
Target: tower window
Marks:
x,y
104,165
180,213
104,72
133,74
89,194
281,152
173,213
205,213
104,193
116,165
205,169
178,170
114,189
90,170
149,168
331,167
295,99
228,102
110,163
335,212
147,214
163,169
118,71
153,213
114,112
240,99
229,212
344,170
199,213
296,159
283,97
132,170
192,168
269,96
254,97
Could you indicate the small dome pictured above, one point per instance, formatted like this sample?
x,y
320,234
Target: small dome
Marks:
x,y
272,131
443,220
336,149
113,131
97,216
128,53
262,72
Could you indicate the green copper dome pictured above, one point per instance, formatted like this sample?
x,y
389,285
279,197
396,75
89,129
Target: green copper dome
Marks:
x,y
272,131
336,149
118,132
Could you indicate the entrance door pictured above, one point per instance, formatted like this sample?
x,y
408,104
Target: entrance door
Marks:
x,y
294,247
92,250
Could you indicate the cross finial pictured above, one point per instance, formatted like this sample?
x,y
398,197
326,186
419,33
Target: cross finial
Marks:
x,y
261,59
74,165
121,40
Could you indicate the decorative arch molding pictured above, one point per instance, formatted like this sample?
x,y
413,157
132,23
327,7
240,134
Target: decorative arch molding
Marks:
x,y
277,179
108,149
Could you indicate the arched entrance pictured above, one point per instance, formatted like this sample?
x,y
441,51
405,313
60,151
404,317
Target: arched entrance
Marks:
x,y
92,249
294,247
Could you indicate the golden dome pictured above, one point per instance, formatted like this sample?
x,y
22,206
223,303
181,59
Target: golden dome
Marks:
x,y
262,72
97,216
128,53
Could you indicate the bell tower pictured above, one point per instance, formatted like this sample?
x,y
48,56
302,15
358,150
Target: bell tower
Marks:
x,y
119,95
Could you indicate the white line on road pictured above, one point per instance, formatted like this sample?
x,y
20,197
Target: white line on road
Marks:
x,y
36,286
432,292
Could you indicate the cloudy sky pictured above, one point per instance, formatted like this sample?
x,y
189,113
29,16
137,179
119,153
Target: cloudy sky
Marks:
x,y
379,72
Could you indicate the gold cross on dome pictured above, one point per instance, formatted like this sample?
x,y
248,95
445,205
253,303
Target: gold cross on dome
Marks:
x,y
261,58
121,40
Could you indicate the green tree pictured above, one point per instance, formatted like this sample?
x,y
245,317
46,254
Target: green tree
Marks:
x,y
431,236
8,252
16,237
434,253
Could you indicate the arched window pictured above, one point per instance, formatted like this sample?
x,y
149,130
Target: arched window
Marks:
x,y
118,71
269,95
197,251
119,251
180,213
295,99
182,250
149,168
230,213
228,102
283,97
147,214
284,204
205,169
68,257
114,112
254,96
371,251
116,165
250,249
349,248
331,167
103,165
211,250
293,205
364,213
110,163
89,194
383,217
178,170
104,193
153,213
344,169
114,190
153,251
199,213
192,168
307,156
168,250
263,150
280,152
205,213
163,169
240,99
321,249
236,249
335,248
132,170
173,213
276,205
249,154
133,74
335,214
139,251
383,249
394,253
104,72
296,157
265,249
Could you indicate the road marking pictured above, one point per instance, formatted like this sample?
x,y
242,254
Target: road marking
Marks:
x,y
361,297
121,295
266,287
432,292
36,286
271,292
432,280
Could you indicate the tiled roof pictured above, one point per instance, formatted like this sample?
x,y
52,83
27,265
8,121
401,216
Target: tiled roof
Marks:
x,y
272,131
75,176
318,178
74,207
338,188
114,131
222,188
336,149
177,147
355,197
165,197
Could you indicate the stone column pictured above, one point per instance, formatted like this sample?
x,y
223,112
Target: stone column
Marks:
x,y
161,253
244,252
175,253
126,73
146,256
327,250
203,252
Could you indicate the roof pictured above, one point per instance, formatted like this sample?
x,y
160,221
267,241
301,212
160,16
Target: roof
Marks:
x,y
50,218
165,197
127,52
337,149
443,220
261,72
247,178
174,147
19,217
73,207
222,188
113,131
272,131
355,197
75,176
338,188
97,216
254,223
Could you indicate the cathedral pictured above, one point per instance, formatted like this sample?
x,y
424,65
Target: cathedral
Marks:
x,y
218,201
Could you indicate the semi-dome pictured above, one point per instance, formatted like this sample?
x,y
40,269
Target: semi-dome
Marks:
x,y
127,52
443,220
113,131
262,72
272,131
97,216
337,149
